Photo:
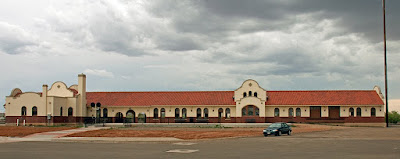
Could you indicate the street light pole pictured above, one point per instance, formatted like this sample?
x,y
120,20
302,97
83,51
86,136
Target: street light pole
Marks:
x,y
384,46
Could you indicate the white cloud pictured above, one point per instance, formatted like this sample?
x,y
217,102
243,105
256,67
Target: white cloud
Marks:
x,y
100,73
14,39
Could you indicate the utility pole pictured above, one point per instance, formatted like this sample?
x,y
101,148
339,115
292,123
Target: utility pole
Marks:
x,y
384,46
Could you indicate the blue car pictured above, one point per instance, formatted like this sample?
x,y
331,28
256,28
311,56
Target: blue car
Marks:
x,y
277,129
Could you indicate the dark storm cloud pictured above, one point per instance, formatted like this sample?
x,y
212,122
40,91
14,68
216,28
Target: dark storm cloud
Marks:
x,y
285,62
178,43
223,19
218,18
223,16
358,16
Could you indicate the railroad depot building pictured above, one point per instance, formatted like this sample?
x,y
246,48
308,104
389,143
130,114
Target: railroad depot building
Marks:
x,y
61,104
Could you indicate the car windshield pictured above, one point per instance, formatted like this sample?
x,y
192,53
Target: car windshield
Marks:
x,y
275,125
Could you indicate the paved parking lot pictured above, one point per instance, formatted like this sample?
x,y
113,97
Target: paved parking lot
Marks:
x,y
343,143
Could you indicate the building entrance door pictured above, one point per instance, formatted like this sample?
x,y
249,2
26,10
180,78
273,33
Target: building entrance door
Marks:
x,y
220,112
119,118
315,112
334,112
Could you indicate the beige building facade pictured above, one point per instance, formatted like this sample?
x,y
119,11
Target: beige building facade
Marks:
x,y
61,104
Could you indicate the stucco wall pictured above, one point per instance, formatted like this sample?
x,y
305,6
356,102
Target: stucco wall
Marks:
x,y
241,101
365,111
65,103
284,111
28,99
60,89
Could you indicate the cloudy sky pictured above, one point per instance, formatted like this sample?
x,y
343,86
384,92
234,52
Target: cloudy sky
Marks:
x,y
180,45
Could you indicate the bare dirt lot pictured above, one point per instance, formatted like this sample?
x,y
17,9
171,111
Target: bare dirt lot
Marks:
x,y
21,131
193,133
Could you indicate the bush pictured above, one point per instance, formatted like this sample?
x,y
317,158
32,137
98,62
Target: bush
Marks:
x,y
394,117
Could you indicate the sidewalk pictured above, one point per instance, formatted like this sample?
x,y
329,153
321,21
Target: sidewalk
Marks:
x,y
116,139
47,136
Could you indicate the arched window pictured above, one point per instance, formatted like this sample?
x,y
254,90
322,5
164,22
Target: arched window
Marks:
x,y
130,116
198,113
105,113
155,113
290,112
298,112
358,111
162,113
23,111
205,113
351,111
176,112
255,94
227,113
70,111
34,111
250,94
61,111
244,94
184,113
250,110
276,112
373,112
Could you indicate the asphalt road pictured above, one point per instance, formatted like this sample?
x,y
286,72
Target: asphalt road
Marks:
x,y
346,143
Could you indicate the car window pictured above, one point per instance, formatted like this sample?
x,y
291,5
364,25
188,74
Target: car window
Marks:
x,y
275,125
285,125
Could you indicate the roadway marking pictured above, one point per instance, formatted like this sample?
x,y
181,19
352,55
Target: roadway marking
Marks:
x,y
184,143
182,151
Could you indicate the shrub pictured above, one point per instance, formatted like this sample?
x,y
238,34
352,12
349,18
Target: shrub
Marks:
x,y
394,117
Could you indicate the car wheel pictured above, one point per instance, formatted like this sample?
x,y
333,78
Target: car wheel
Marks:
x,y
279,133
289,132
265,135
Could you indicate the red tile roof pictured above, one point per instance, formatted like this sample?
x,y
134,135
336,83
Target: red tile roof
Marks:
x,y
357,97
74,91
344,97
161,98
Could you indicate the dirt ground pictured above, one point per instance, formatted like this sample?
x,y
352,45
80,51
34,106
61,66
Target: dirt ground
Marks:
x,y
20,131
193,133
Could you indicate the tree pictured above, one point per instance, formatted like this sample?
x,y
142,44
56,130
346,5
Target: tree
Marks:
x,y
394,117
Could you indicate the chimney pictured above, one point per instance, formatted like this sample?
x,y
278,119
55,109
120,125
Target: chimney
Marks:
x,y
82,84
81,109
44,91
